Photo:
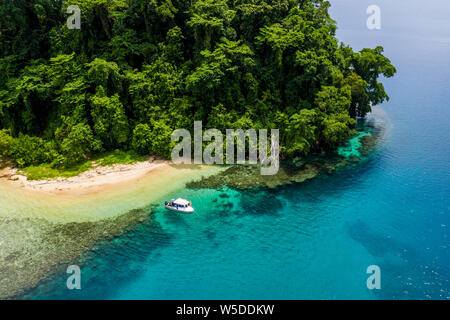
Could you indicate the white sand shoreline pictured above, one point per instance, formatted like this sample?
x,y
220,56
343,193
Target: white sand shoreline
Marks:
x,y
96,194
90,181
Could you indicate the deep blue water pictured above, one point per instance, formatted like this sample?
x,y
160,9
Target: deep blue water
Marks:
x,y
315,240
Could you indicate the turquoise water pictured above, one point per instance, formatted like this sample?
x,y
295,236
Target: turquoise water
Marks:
x,y
314,240
353,146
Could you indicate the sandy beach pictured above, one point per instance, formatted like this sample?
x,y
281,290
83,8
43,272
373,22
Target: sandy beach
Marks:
x,y
98,193
91,181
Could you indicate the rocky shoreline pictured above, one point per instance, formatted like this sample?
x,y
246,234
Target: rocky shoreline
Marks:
x,y
296,171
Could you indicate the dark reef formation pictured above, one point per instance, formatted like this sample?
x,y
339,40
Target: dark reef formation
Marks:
x,y
296,171
33,249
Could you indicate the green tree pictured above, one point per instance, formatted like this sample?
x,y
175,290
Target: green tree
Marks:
x,y
79,143
161,143
5,142
300,133
149,66
142,139
110,121
25,150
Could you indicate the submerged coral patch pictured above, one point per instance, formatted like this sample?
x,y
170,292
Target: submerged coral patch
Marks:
x,y
34,248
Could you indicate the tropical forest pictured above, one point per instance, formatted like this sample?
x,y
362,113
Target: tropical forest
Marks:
x,y
136,70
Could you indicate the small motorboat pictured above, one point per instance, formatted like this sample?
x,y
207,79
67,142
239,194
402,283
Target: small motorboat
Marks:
x,y
179,205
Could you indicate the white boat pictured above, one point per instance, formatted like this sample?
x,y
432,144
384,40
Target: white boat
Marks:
x,y
180,205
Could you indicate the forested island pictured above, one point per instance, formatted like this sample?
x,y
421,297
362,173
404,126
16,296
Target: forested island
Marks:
x,y
137,70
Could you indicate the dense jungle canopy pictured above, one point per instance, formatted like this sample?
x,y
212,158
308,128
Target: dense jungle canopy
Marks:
x,y
139,69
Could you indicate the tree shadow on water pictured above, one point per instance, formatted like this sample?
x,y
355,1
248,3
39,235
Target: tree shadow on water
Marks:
x,y
406,272
376,244
260,202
